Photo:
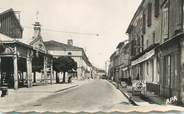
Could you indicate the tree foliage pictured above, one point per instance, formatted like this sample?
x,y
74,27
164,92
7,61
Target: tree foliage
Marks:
x,y
64,64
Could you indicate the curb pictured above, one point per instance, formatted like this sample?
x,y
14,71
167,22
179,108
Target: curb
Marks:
x,y
128,97
124,93
65,88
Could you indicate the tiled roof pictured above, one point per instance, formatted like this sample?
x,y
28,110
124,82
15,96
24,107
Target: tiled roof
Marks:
x,y
3,10
5,38
120,45
54,45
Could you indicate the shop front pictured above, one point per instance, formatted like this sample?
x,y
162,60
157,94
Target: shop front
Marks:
x,y
170,69
145,68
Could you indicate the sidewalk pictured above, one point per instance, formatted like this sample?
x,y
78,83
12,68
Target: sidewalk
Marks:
x,y
148,98
152,98
136,100
27,95
141,100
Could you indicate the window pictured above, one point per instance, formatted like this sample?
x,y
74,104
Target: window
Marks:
x,y
152,65
165,22
153,37
149,18
69,53
147,43
40,45
142,43
144,23
157,8
147,67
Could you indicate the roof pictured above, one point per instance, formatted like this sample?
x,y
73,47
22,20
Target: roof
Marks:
x,y
120,45
54,45
4,37
34,41
112,55
4,11
135,15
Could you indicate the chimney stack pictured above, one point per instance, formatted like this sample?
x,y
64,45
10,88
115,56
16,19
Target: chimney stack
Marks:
x,y
70,42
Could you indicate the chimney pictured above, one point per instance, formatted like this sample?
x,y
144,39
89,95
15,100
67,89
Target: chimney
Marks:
x,y
70,42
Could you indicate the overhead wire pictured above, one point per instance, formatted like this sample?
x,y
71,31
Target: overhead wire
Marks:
x,y
67,32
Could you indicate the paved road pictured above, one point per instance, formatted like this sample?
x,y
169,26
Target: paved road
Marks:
x,y
97,95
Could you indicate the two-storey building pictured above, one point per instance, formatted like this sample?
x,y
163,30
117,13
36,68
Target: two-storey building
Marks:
x,y
58,49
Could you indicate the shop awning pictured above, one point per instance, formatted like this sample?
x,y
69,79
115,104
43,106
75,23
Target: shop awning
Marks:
x,y
144,57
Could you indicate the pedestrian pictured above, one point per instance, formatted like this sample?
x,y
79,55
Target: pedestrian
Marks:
x,y
69,79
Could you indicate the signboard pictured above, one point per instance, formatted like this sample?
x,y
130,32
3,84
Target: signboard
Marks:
x,y
138,86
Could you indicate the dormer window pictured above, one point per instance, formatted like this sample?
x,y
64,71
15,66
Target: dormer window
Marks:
x,y
69,53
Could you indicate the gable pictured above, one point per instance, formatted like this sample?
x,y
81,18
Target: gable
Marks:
x,y
38,44
10,25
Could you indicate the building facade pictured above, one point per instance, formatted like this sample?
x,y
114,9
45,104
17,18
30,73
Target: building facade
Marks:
x,y
119,63
84,67
156,46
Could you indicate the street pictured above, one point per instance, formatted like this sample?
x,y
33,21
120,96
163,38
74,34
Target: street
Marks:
x,y
80,96
97,95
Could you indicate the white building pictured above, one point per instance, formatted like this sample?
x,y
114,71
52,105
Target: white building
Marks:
x,y
58,49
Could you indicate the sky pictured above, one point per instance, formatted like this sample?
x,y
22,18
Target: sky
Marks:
x,y
108,18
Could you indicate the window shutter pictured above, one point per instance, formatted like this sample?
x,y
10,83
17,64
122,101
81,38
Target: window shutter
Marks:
x,y
157,8
144,24
149,19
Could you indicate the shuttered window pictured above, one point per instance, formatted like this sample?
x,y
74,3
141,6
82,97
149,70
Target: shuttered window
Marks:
x,y
144,23
157,8
149,18
165,23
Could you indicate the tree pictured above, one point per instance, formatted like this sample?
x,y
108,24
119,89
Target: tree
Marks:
x,y
64,64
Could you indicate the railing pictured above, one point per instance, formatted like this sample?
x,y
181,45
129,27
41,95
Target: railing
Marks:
x,y
153,88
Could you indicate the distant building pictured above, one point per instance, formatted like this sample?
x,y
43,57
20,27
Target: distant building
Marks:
x,y
101,74
119,63
57,49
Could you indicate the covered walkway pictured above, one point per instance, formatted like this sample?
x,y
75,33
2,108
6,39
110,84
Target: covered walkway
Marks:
x,y
19,63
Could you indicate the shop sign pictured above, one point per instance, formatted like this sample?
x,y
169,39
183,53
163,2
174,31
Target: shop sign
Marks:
x,y
139,85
